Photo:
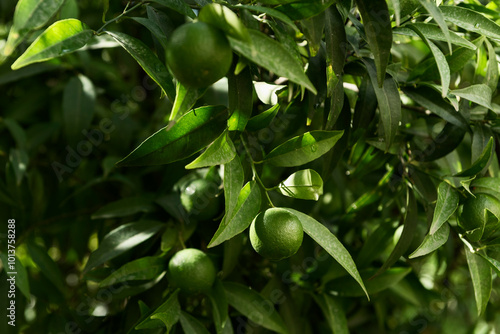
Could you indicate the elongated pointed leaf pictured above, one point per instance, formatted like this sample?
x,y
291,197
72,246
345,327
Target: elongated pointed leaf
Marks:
x,y
22,278
171,307
271,55
221,151
432,242
319,233
193,132
147,60
47,266
19,160
192,325
218,299
389,103
246,209
185,99
146,268
442,64
433,9
471,21
255,307
494,263
153,28
432,31
304,148
304,184
233,182
263,119
271,12
78,106
446,205
60,38
410,226
480,273
124,207
487,185
481,162
122,239
333,312
345,287
28,16
492,74
431,100
377,24
179,6
480,94
240,90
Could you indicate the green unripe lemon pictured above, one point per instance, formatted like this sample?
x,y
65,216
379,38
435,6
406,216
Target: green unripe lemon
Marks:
x,y
480,216
276,234
191,270
200,200
198,54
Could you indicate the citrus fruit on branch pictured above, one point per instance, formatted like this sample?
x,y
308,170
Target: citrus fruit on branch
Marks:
x,y
198,54
191,270
276,234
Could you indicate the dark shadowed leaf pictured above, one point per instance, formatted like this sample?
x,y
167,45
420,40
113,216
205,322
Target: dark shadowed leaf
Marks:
x,y
122,239
255,307
179,6
60,38
481,162
192,325
193,132
22,278
125,207
303,149
240,90
334,312
304,9
146,268
218,300
171,310
148,61
47,266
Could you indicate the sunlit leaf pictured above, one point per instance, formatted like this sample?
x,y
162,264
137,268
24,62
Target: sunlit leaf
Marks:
x,y
221,151
304,184
432,242
446,205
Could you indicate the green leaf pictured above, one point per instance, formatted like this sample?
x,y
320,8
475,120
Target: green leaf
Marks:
x,y
319,233
125,207
480,94
345,287
312,29
78,106
47,266
168,319
179,6
445,142
16,131
192,325
442,64
269,11
446,205
22,278
61,38
146,268
304,184
432,31
233,182
246,209
221,151
471,21
389,103
492,74
185,99
193,132
375,245
431,100
481,162
218,299
432,242
28,16
409,229
303,149
224,19
377,24
154,29
271,55
253,306
336,47
147,60
19,160
433,9
333,312
121,239
480,273
305,9
263,119
171,309
240,91
487,185
494,263
169,238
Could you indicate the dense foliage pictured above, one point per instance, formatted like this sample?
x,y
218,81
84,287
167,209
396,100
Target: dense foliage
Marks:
x,y
373,123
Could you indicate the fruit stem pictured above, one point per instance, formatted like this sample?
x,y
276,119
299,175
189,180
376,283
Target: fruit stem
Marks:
x,y
125,12
254,171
